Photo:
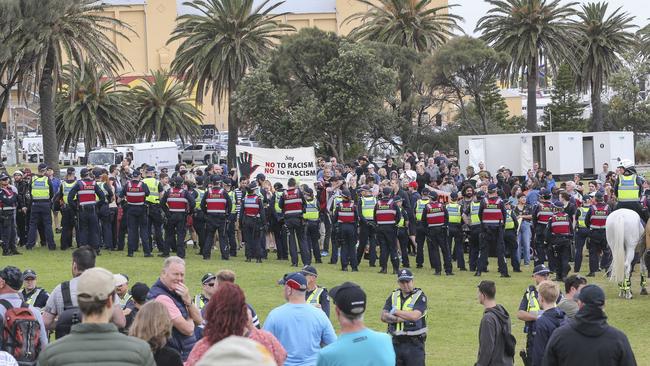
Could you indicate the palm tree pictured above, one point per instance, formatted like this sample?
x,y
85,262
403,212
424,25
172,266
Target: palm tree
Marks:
x,y
92,107
219,44
72,30
602,39
531,32
165,110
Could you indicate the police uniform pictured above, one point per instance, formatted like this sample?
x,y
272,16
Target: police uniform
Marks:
x,y
85,194
559,232
41,193
435,218
403,234
292,204
177,203
596,219
529,303
252,219
492,213
232,219
276,221
542,213
198,219
510,239
472,212
104,213
68,213
367,237
8,203
628,190
346,220
336,230
455,232
319,297
216,205
153,210
582,233
38,296
135,193
312,228
386,214
420,227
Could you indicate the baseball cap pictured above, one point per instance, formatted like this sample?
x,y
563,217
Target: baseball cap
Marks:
x,y
3,176
260,177
492,187
29,274
404,275
207,278
12,276
42,166
151,168
139,292
120,279
237,351
309,271
541,270
349,297
413,184
592,295
295,280
95,284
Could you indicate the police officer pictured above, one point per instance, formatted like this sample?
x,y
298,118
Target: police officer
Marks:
x,y
208,288
346,220
435,218
367,224
84,195
103,211
335,199
8,203
32,294
629,188
405,312
252,220
473,220
455,230
510,237
68,213
542,213
276,221
22,217
559,232
292,204
154,211
135,193
492,213
386,215
582,231
596,219
315,295
530,310
177,203
41,193
312,229
402,231
216,206
198,220
232,217
420,226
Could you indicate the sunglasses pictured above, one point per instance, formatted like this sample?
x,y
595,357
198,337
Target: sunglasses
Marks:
x,y
211,284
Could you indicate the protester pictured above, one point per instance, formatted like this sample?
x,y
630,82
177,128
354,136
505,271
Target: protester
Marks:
x,y
153,325
495,329
572,285
551,319
139,293
237,351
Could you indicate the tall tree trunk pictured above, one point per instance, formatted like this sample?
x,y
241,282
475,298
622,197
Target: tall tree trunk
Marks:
x,y
46,93
405,94
596,108
232,128
531,104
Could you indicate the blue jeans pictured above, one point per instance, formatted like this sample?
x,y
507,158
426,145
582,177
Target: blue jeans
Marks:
x,y
523,238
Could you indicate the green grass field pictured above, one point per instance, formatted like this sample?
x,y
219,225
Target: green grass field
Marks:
x,y
454,313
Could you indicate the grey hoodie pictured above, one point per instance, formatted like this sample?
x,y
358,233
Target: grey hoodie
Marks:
x,y
490,337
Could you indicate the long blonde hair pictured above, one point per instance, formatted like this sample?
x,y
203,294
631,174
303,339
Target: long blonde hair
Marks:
x,y
153,325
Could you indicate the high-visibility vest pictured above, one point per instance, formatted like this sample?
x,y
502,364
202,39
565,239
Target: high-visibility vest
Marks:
x,y
419,207
199,197
32,298
583,214
40,189
368,207
292,202
474,218
336,201
402,221
599,214
406,328
544,213
200,301
8,193
311,210
86,194
346,212
628,190
453,210
215,201
560,224
492,213
252,205
233,201
134,193
533,303
435,214
101,186
126,299
154,195
176,201
385,213
314,297
276,205
66,188
510,223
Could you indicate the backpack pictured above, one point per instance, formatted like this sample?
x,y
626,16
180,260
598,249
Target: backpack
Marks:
x,y
70,316
21,333
509,341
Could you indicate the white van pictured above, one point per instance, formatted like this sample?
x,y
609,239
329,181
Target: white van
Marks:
x,y
161,154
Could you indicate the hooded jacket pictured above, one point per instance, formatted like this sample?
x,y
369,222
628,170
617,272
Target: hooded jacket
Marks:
x,y
588,340
491,350
550,320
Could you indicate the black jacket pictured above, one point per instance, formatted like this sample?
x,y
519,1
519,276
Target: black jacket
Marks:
x,y
545,325
491,340
588,340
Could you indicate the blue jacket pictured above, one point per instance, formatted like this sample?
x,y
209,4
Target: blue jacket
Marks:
x,y
544,327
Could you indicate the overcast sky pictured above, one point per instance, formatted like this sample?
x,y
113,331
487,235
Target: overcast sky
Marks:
x,y
473,10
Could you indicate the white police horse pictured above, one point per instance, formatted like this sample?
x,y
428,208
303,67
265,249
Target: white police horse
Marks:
x,y
625,232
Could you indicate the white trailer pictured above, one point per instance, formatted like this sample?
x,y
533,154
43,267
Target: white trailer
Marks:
x,y
558,152
606,147
161,154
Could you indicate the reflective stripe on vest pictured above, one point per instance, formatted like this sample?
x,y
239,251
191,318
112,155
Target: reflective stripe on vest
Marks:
x,y
233,201
251,205
419,208
134,194
368,207
628,190
154,195
66,188
599,214
314,298
544,213
199,197
40,189
533,304
346,212
176,201
435,214
292,202
199,302
276,206
101,186
215,201
510,223
86,194
560,224
416,328
32,298
453,210
492,213
583,214
385,214
402,221
474,218
311,210
335,203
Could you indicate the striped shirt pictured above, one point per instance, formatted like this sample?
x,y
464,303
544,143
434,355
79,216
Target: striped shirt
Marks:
x,y
238,195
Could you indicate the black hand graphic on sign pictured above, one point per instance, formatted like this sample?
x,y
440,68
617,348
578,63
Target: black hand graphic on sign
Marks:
x,y
245,162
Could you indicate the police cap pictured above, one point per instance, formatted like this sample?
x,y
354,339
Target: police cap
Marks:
x,y
4,176
84,172
178,181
